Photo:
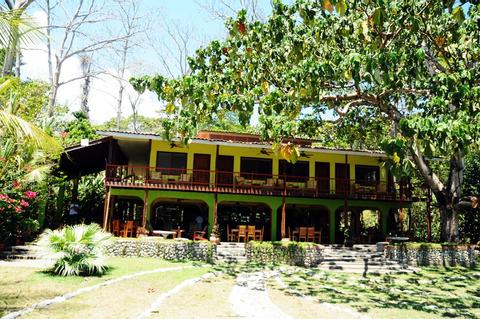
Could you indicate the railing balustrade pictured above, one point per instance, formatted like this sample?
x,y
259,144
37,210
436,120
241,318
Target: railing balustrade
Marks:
x,y
223,181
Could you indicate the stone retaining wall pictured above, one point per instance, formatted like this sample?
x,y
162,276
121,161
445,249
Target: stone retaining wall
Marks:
x,y
289,253
161,248
425,255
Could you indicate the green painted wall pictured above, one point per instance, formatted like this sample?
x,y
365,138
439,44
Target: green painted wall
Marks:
x,y
274,202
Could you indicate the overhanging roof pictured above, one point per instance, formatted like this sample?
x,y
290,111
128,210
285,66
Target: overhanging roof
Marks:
x,y
81,160
262,144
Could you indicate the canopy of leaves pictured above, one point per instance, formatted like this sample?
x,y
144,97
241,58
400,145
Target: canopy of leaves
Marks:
x,y
77,129
415,63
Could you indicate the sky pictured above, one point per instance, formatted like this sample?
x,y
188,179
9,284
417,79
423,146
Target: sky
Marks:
x,y
187,14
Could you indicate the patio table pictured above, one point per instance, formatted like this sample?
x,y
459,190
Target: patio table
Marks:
x,y
163,233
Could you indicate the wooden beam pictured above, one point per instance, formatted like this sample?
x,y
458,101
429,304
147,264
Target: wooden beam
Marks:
x,y
145,205
106,209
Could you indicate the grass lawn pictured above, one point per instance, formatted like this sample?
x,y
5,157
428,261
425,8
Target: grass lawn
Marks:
x,y
432,293
21,287
205,299
125,299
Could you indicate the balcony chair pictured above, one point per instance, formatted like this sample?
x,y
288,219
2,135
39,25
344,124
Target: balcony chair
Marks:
x,y
156,177
302,234
242,232
250,233
116,227
128,229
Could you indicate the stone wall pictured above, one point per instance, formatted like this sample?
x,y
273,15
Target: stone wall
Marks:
x,y
433,255
295,254
162,248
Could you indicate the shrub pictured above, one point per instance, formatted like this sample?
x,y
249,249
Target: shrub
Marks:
x,y
77,250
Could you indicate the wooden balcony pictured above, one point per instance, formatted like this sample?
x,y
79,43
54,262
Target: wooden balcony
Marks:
x,y
254,184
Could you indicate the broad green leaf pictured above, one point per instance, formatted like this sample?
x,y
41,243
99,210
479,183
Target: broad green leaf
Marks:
x,y
341,7
458,14
170,108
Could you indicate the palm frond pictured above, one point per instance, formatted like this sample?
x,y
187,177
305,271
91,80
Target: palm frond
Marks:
x,y
77,250
18,27
21,130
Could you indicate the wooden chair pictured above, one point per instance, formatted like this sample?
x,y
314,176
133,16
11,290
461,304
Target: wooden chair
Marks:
x,y
200,234
318,236
116,227
250,233
242,232
311,234
302,234
128,229
230,235
259,234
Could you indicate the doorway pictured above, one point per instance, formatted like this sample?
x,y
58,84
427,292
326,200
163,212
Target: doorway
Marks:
x,y
201,169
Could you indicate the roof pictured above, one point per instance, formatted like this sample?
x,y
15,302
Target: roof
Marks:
x,y
230,139
78,160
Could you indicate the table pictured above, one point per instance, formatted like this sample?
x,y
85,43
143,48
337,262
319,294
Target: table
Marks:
x,y
163,233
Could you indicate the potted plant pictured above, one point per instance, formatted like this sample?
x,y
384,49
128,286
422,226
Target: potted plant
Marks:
x,y
215,234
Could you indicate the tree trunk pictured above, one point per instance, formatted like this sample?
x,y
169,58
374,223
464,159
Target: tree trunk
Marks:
x,y
449,224
54,90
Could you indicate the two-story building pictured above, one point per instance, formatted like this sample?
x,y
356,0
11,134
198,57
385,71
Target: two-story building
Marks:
x,y
235,179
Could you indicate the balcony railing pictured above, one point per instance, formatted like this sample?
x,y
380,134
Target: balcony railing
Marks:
x,y
253,183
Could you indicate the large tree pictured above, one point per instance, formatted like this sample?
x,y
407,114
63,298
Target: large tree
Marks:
x,y
410,64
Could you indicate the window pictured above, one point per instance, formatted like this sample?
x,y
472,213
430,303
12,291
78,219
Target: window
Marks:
x,y
298,172
171,163
251,166
367,175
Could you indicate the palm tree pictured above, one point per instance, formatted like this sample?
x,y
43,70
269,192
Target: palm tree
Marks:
x,y
16,28
24,132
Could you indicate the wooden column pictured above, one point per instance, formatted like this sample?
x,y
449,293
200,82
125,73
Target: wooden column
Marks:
x,y
106,209
215,208
284,209
145,205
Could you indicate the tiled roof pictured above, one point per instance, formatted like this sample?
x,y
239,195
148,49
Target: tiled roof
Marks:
x,y
264,143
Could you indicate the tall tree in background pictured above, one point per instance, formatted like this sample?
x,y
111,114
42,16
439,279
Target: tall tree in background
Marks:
x,y
86,67
74,28
133,30
413,64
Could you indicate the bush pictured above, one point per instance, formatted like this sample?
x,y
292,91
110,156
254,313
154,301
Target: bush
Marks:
x,y
77,250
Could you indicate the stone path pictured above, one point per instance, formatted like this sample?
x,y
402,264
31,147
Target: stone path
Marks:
x,y
249,297
48,302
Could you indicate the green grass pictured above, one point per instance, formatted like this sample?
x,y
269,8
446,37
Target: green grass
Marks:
x,y
432,293
22,287
125,299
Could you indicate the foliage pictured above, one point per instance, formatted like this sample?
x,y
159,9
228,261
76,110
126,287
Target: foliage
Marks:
x,y
291,253
18,204
405,64
77,249
91,193
470,221
78,129
144,124
24,98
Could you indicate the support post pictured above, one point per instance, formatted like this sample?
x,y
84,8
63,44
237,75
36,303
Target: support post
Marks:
x,y
144,213
106,209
